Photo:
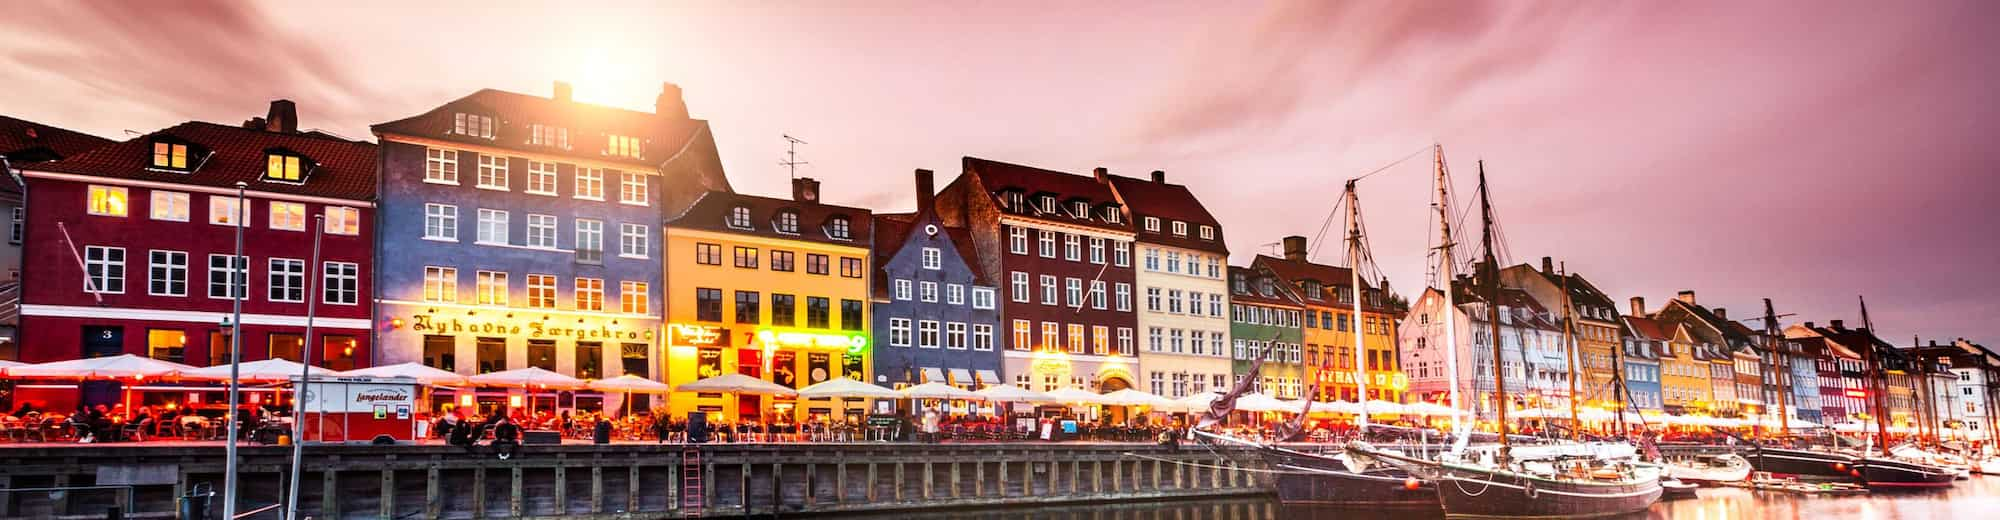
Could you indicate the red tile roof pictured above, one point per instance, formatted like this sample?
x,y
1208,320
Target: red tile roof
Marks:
x,y
999,176
1649,329
224,155
588,126
711,212
22,140
1169,202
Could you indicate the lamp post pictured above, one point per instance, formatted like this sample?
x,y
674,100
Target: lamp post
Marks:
x,y
305,374
238,279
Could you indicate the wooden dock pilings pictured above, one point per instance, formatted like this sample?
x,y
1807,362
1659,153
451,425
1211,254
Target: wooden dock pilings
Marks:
x,y
580,481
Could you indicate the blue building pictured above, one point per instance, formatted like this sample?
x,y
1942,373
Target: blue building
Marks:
x,y
935,316
521,231
1645,339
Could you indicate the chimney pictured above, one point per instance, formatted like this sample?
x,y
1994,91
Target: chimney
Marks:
x,y
1639,306
562,91
1548,266
1102,174
671,103
1159,177
1295,248
1809,325
283,117
1686,297
1839,325
1722,313
805,189
926,193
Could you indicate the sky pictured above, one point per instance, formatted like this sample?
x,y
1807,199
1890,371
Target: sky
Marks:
x,y
1807,152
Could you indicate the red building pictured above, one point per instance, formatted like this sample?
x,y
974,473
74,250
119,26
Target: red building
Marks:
x,y
129,246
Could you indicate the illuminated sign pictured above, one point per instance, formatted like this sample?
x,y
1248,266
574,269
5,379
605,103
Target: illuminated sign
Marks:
x,y
687,335
852,342
1856,394
1050,361
431,323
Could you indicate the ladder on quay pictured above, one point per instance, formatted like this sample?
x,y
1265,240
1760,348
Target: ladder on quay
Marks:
x,y
692,497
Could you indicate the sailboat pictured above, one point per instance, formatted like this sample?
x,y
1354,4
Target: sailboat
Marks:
x,y
1886,470
1499,483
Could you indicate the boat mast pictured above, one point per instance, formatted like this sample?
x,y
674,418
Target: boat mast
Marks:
x,y
1354,269
1879,379
1783,368
1569,342
1447,274
1488,274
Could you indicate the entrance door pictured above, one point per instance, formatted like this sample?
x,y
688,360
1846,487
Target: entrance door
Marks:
x,y
101,342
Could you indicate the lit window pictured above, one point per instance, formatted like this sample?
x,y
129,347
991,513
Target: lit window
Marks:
x,y
541,291
441,166
170,155
284,168
633,297
170,205
622,146
440,284
107,201
343,220
288,216
632,189
589,183
226,211
490,288
589,294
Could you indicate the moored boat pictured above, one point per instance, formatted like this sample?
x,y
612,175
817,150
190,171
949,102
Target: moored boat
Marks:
x,y
1476,491
1710,470
1305,478
1878,472
1804,463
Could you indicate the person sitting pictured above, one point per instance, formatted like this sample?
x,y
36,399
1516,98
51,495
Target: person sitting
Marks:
x,y
506,438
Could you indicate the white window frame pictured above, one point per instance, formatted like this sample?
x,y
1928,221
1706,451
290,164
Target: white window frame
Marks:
x,y
1121,253
492,227
175,273
542,178
1097,250
242,267
589,183
635,297
1022,293
589,294
982,337
175,203
1097,295
109,264
441,166
590,237
97,192
1047,241
1124,341
542,291
342,220
899,332
1123,292
284,275
1073,247
1180,228
1207,232
927,292
982,298
632,189
927,334
445,217
634,241
903,290
239,206
933,258
1049,295
492,173
1152,224
440,284
542,232
490,288
340,283
1017,240
954,335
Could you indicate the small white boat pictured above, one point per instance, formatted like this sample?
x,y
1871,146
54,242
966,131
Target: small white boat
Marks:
x,y
1710,469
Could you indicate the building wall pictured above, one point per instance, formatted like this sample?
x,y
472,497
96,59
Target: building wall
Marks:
x,y
1684,380
1067,364
902,362
1282,374
1193,342
1422,350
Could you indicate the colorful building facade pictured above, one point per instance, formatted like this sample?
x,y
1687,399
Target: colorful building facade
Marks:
x,y
936,319
1331,356
1181,283
771,288
24,143
1266,315
1645,340
1595,324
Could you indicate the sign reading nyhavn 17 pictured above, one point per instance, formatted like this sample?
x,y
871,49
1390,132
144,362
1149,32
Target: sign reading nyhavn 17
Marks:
x,y
526,328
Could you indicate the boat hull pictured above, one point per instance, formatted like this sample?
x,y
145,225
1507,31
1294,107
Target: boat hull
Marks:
x,y
1466,493
1716,470
1803,463
1320,481
1882,473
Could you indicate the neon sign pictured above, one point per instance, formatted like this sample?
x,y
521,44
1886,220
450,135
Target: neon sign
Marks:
x,y
854,343
682,334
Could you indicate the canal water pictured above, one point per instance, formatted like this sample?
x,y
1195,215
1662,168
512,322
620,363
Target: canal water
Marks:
x,y
1977,498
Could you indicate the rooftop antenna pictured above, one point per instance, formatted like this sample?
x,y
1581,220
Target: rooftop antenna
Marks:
x,y
792,161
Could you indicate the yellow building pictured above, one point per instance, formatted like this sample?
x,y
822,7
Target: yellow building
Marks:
x,y
1330,324
1684,376
770,288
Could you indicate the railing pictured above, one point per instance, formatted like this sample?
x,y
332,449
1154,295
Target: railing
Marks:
x,y
64,500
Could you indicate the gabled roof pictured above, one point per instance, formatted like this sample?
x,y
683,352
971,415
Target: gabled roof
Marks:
x,y
1282,293
1648,329
712,211
1170,203
24,141
1328,276
588,125
1581,291
223,155
893,231
999,177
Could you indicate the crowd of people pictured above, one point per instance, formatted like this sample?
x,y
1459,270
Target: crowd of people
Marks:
x,y
116,423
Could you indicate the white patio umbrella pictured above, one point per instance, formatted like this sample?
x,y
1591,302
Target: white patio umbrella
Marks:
x,y
418,371
1073,395
1198,402
5,364
845,387
1433,409
122,366
1260,402
531,377
629,384
737,384
1130,397
1380,407
1342,407
272,370
1013,394
935,390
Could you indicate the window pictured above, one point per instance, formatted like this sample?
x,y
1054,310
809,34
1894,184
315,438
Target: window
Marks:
x,y
816,264
783,311
1097,294
1173,261
167,273
1214,267
284,168
167,205
1017,240
1079,209
851,315
708,254
1097,250
954,336
440,284
441,166
837,228
1049,290
745,257
1180,228
632,189
340,220
1121,254
1152,224
1178,344
107,201
170,155
589,240
739,217
492,172
1075,344
927,334
1153,299
490,288
1100,339
541,231
781,261
1124,341
18,224
899,332
982,298
1023,336
1073,247
589,183
541,178
1048,243
441,222
492,227
818,313
1051,335
632,241
903,290
590,296
1019,286
541,291
1152,262
1215,305
1207,232
104,269
1045,204
954,294
1073,287
1155,339
474,125
621,146
1124,293
850,267
287,280
747,307
634,297
787,222
166,344
933,258
928,291
220,281
1174,301
982,337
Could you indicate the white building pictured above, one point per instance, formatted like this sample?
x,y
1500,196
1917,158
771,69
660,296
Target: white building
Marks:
x,y
1182,284
1536,366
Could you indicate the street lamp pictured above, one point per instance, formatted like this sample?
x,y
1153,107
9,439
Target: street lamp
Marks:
x,y
238,280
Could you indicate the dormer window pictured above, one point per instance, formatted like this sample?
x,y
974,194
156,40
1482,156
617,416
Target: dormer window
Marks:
x,y
788,222
1313,290
546,135
1264,288
1152,224
1080,209
284,167
622,146
1046,203
1207,232
474,125
837,229
1111,214
739,217
172,156
1013,199
1180,228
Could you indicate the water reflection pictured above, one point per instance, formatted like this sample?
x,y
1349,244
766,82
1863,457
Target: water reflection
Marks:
x,y
1976,498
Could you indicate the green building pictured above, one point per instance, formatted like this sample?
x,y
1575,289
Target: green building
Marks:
x,y
1264,310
